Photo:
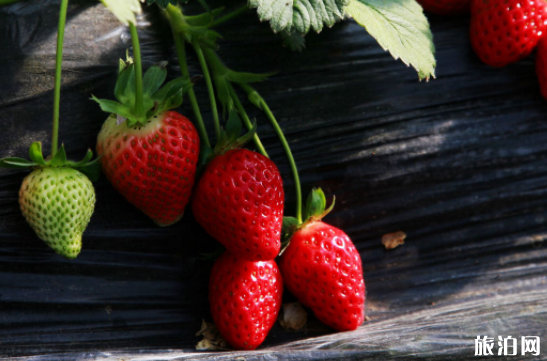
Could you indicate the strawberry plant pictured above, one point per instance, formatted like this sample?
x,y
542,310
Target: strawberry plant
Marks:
x,y
57,198
148,152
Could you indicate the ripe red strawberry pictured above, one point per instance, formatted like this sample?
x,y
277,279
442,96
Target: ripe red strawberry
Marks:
x,y
153,166
541,66
245,299
149,155
322,268
505,31
446,7
239,201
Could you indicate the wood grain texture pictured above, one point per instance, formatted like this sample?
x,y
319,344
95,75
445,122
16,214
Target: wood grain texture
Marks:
x,y
458,164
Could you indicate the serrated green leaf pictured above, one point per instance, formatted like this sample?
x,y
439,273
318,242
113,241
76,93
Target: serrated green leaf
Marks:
x,y
294,40
299,15
154,78
59,159
35,153
124,10
16,163
401,28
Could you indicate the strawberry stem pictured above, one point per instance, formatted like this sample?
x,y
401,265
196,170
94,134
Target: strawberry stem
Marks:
x,y
247,121
231,15
209,83
58,68
181,54
256,99
138,72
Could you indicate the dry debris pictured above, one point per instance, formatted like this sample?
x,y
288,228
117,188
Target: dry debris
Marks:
x,y
293,316
212,341
392,240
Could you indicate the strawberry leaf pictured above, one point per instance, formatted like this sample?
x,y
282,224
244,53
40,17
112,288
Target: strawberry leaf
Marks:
x,y
401,28
294,40
299,15
124,10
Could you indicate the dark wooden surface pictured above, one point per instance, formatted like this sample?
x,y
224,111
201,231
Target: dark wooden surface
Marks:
x,y
459,164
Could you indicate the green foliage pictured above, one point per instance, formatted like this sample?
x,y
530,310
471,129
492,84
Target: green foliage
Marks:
x,y
124,10
230,137
91,169
156,99
299,15
401,28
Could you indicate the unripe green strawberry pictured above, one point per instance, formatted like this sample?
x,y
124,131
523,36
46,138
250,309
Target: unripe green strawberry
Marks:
x,y
58,204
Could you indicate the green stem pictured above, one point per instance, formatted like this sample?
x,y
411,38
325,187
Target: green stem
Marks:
x,y
58,69
181,54
138,71
247,121
261,103
209,83
231,15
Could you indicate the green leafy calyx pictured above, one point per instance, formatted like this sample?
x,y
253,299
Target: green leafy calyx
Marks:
x,y
91,168
230,136
315,210
156,99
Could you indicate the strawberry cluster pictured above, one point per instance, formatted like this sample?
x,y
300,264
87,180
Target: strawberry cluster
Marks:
x,y
502,32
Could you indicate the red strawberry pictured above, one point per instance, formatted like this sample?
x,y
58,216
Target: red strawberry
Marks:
x,y
148,153
245,299
446,7
153,166
322,268
505,31
239,201
541,66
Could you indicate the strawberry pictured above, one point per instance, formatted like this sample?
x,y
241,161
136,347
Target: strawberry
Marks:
x,y
505,31
245,299
57,199
322,268
150,158
153,166
58,204
541,66
446,7
239,202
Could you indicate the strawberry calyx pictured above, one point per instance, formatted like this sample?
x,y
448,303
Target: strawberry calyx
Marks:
x,y
315,210
230,138
155,100
91,168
